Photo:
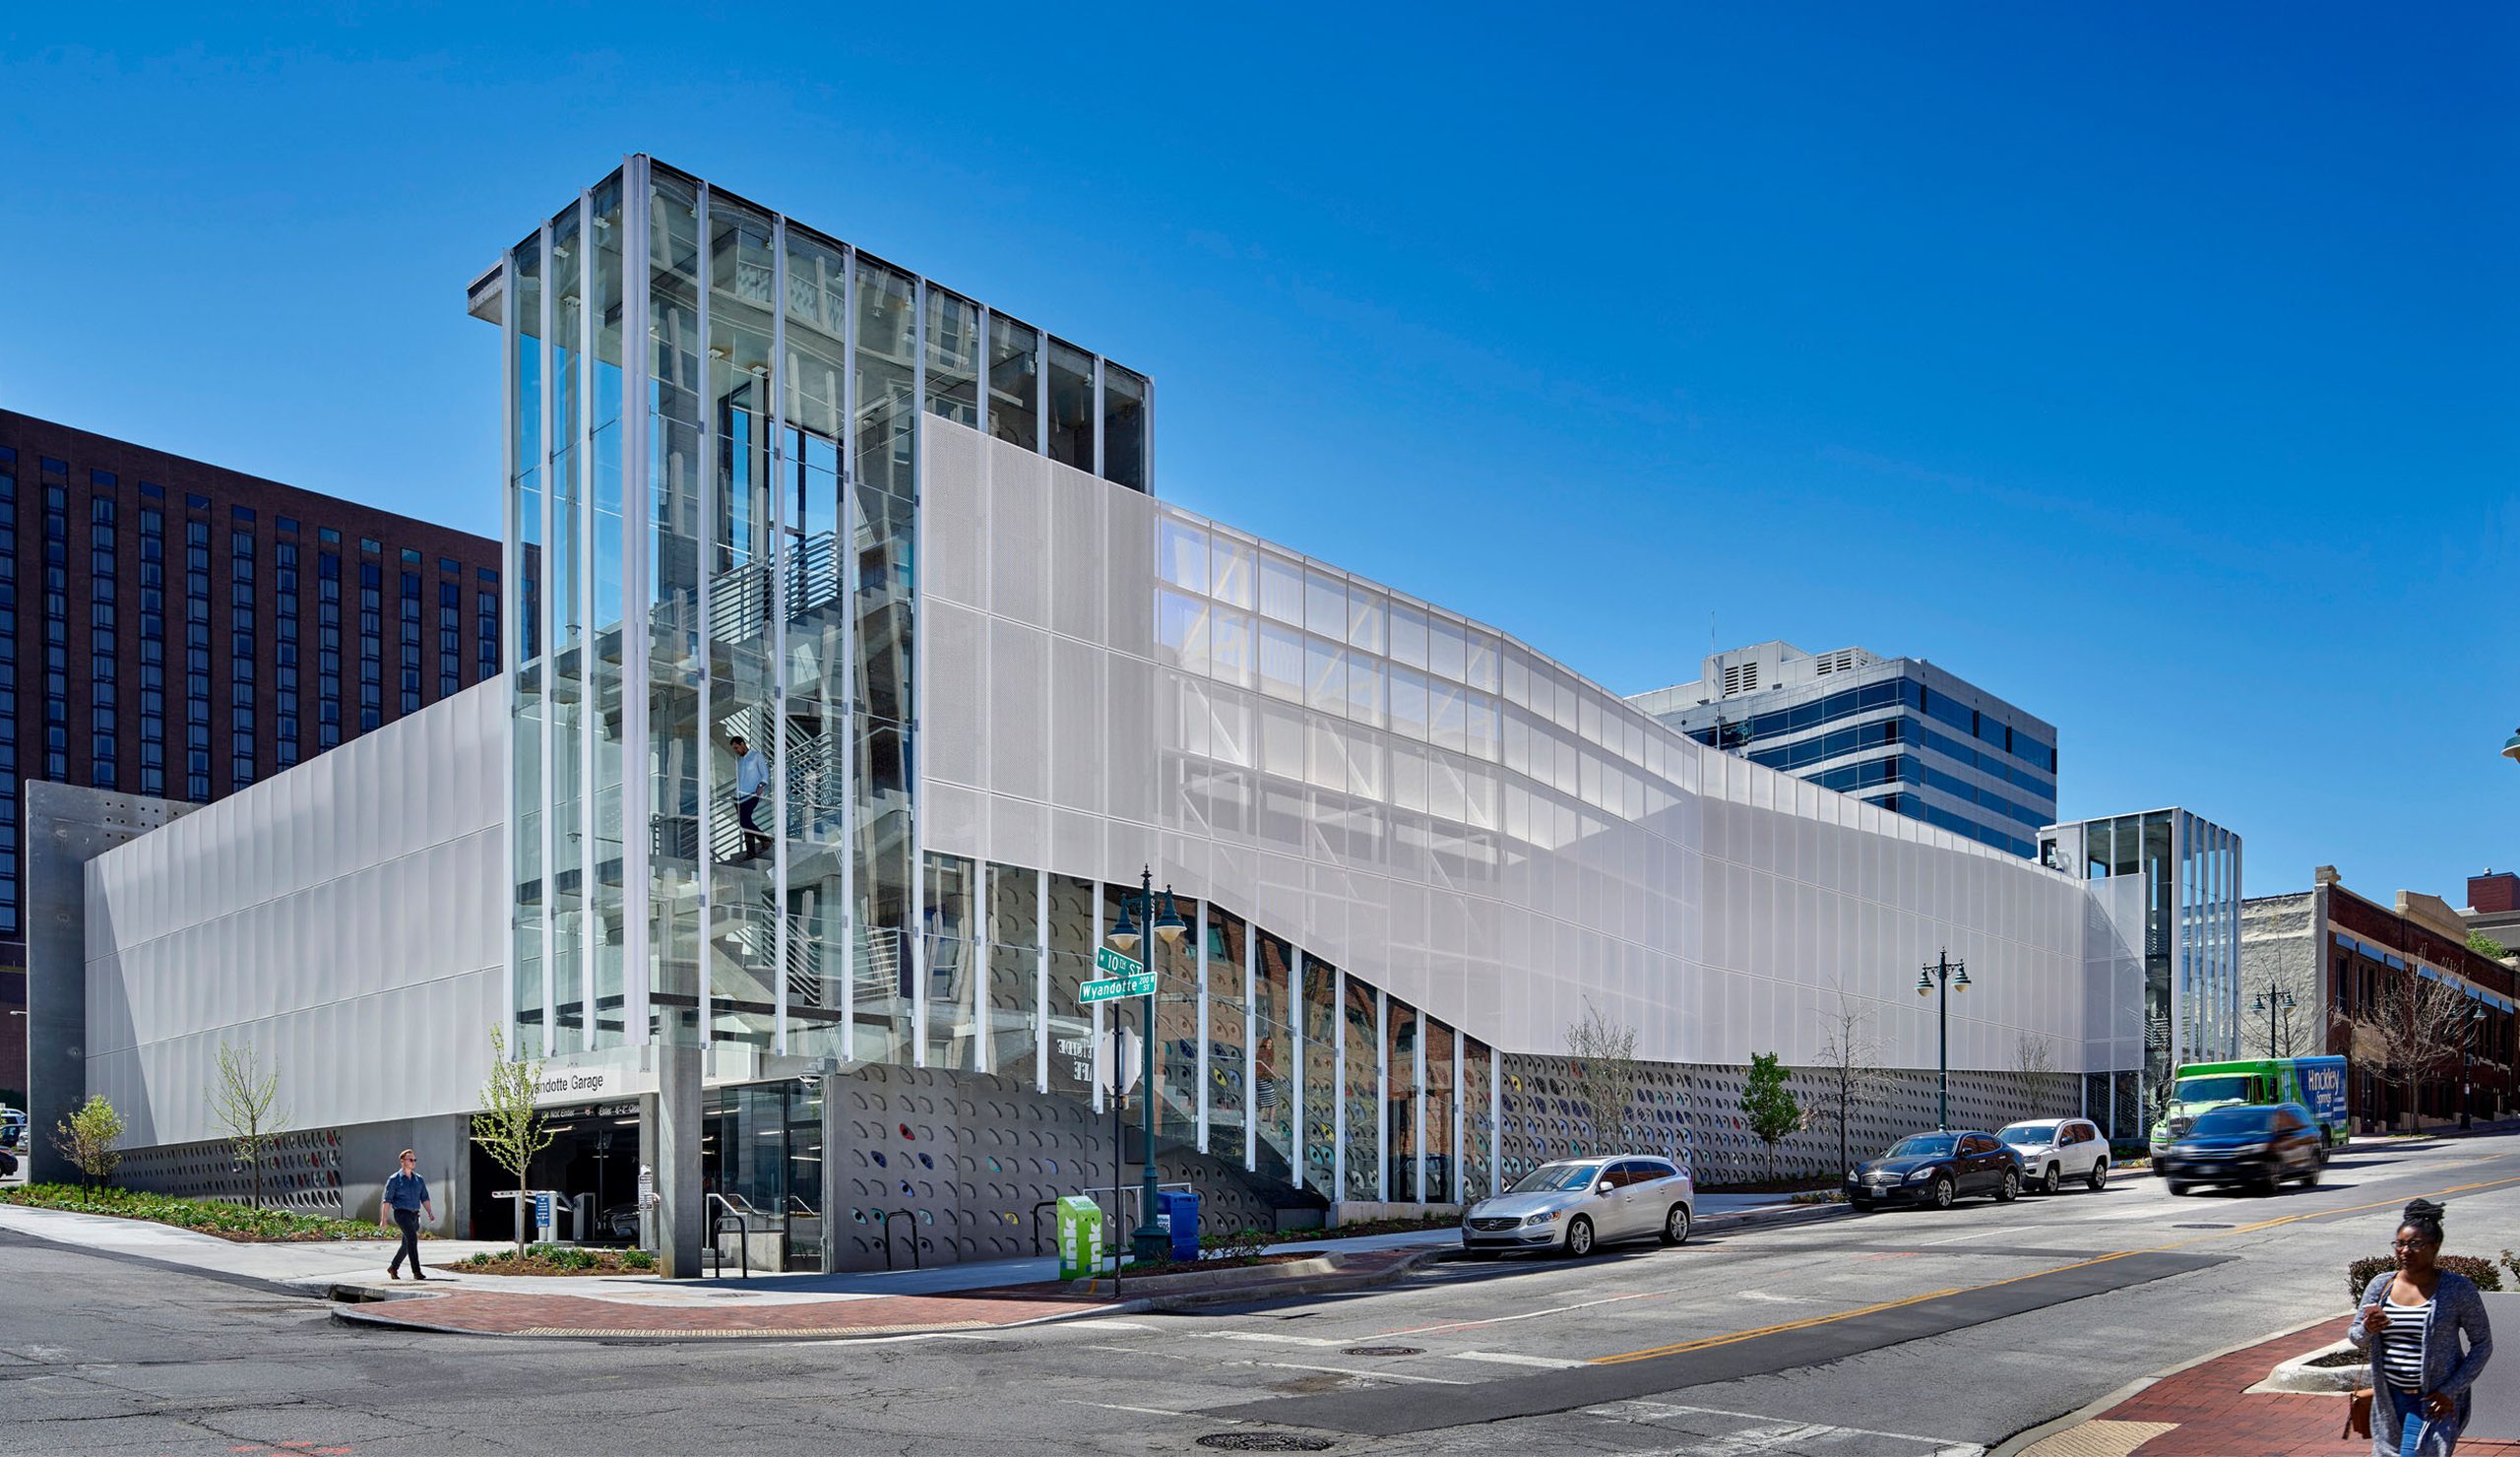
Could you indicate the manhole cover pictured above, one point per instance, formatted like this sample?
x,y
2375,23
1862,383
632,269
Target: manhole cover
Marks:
x,y
1264,1441
2200,1227
1384,1351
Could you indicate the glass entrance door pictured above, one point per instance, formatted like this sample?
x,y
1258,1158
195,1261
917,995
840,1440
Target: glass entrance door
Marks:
x,y
761,1153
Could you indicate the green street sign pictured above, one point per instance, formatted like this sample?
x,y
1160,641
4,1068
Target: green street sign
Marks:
x,y
1112,962
1112,988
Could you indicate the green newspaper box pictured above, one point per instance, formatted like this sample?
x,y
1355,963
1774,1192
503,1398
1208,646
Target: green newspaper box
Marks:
x,y
1080,1237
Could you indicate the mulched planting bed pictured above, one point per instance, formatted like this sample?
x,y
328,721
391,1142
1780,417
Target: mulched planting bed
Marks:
x,y
554,1259
230,1222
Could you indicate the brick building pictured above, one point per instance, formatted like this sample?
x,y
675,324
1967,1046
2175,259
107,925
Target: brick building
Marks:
x,y
2336,952
178,629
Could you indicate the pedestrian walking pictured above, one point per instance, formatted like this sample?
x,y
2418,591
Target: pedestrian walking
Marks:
x,y
752,776
407,1198
2415,1321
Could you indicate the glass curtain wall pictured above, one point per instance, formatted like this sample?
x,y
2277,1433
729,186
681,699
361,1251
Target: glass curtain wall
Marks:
x,y
1275,1059
1224,941
1360,1088
711,427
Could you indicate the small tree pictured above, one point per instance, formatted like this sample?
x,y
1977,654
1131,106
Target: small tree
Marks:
x,y
1849,1074
2416,1025
2033,1067
2485,945
1605,1075
88,1139
509,1128
1769,1105
245,1101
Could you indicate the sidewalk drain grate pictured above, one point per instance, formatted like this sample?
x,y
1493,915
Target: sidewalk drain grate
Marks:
x,y
2200,1227
1264,1441
1384,1351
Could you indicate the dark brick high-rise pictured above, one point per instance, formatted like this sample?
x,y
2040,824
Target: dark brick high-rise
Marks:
x,y
179,629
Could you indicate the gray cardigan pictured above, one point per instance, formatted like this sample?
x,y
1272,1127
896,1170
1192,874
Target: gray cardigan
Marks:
x,y
2448,1372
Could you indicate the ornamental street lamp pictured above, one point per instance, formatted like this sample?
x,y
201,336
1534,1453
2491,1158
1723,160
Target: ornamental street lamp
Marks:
x,y
2270,1002
1940,978
1147,1241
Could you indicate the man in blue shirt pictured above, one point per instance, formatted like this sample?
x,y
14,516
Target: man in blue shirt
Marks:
x,y
752,776
407,1196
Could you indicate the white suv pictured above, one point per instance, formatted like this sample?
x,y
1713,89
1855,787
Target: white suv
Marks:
x,y
2054,1150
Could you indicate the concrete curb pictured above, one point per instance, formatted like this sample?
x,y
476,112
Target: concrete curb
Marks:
x,y
358,1313
2022,1442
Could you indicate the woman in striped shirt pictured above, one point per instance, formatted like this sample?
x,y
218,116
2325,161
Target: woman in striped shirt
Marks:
x,y
2414,1321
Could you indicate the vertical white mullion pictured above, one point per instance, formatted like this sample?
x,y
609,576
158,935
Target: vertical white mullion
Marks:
x,y
917,676
1338,1083
979,355
1382,1095
551,612
705,484
775,629
1496,1125
1418,1106
1250,1050
1041,981
1201,956
511,623
638,810
1096,410
590,776
1456,1159
1146,448
853,941
1294,1042
1040,392
975,956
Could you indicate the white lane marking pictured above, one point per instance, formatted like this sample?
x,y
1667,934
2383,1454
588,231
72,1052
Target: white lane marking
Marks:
x,y
1463,1325
1141,1410
1509,1357
1271,1337
1296,1366
1099,1326
1648,1411
1958,1239
1760,1294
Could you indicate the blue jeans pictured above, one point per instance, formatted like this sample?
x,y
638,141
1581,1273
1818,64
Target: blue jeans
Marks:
x,y
2411,1429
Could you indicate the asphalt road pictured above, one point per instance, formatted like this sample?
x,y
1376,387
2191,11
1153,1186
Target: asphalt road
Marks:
x,y
1886,1335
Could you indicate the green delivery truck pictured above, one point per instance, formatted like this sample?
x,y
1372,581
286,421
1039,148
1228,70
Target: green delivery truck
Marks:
x,y
2315,1083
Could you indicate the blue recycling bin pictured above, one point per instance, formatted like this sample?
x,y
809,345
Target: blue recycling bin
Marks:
x,y
1180,1209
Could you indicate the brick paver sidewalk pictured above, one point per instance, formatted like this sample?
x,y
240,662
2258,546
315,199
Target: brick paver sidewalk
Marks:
x,y
2208,1411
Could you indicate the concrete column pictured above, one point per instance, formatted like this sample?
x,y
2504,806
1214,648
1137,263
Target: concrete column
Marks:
x,y
682,1221
832,1181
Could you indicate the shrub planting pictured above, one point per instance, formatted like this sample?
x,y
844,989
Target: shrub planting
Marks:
x,y
2359,1275
204,1216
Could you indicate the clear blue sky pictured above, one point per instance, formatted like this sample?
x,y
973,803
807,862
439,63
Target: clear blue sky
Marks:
x,y
2151,366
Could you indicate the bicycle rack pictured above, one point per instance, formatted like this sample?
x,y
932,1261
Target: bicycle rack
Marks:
x,y
889,1217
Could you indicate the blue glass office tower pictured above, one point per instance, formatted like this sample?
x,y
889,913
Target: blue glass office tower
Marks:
x,y
1896,732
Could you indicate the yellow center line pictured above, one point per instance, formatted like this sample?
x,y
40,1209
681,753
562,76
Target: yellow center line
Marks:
x,y
1709,1342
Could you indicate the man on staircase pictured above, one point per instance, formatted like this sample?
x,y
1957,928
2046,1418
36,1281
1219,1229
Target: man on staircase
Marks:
x,y
752,776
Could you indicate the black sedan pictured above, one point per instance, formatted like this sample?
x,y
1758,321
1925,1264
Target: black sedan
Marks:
x,y
2257,1147
1936,1169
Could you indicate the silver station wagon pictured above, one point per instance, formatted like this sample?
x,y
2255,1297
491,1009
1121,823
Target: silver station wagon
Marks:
x,y
1574,1204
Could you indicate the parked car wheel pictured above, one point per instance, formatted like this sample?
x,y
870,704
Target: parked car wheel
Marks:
x,y
2052,1180
2177,1188
1579,1236
1862,1204
1943,1192
2098,1178
1676,1225
2011,1187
